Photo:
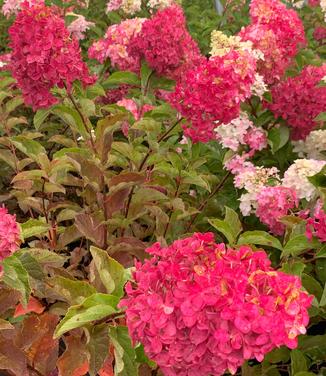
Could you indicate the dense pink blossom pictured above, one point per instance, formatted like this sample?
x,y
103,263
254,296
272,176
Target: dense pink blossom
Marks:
x,y
313,3
277,32
11,7
316,225
9,234
320,33
274,203
115,45
44,55
166,44
299,100
210,94
200,308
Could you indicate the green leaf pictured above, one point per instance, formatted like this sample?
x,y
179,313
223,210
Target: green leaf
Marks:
x,y
322,252
224,228
298,362
39,117
295,268
98,347
321,117
6,81
278,137
259,238
74,291
13,103
145,74
125,356
230,227
322,302
297,245
93,308
16,276
281,354
312,286
31,265
29,147
71,117
321,270
119,78
34,227
319,180
112,274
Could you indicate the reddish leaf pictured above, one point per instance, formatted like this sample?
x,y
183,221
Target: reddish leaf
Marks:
x,y
107,369
36,338
8,298
33,306
12,358
74,361
91,228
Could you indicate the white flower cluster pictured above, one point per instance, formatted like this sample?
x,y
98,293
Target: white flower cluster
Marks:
x,y
313,146
259,87
128,6
232,135
323,8
160,4
296,177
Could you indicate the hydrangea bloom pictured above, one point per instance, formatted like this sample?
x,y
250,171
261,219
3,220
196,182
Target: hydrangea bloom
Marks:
x,y
316,225
313,147
79,26
211,94
200,308
320,33
299,100
241,131
128,6
9,234
272,204
296,177
115,45
276,31
166,44
44,55
11,7
160,4
5,61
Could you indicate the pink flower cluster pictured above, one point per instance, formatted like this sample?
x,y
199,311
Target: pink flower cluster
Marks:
x,y
115,45
299,100
79,26
272,204
44,55
200,308
166,44
211,93
277,32
316,225
9,234
320,33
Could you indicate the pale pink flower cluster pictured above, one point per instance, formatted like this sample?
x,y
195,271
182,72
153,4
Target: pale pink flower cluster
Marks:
x,y
316,225
200,308
9,234
130,7
272,204
296,177
241,131
79,26
11,7
115,45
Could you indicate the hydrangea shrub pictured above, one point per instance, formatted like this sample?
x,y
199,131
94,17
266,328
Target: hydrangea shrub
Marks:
x,y
163,195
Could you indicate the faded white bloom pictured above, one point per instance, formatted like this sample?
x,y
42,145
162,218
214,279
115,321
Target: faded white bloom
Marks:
x,y
161,4
259,87
323,8
232,135
79,26
248,203
253,179
128,6
296,177
313,146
